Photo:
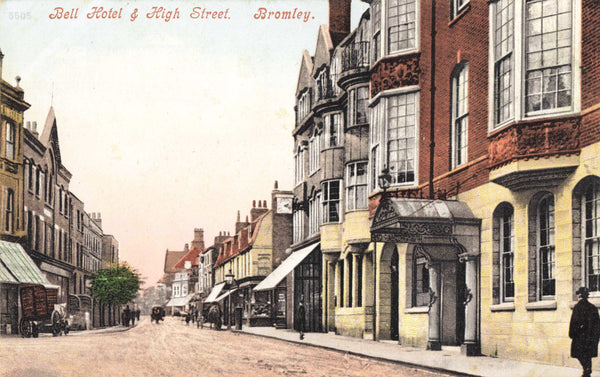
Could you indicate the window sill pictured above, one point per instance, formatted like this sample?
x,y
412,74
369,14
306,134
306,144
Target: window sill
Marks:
x,y
541,305
504,307
417,310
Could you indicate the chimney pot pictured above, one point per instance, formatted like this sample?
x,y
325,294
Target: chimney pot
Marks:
x,y
276,186
254,204
264,204
18,78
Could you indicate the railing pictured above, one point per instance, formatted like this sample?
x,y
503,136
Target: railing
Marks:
x,y
355,55
324,90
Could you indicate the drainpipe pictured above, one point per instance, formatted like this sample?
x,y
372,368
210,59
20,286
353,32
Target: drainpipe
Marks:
x,y
432,104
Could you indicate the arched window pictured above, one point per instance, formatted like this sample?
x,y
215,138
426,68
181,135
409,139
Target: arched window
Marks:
x,y
504,253
460,115
9,210
542,283
586,224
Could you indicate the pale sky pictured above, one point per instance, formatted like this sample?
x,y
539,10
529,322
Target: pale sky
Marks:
x,y
165,126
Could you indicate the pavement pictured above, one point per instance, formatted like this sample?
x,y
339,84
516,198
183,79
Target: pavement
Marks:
x,y
448,359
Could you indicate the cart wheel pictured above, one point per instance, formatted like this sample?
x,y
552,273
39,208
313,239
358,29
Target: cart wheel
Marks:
x,y
35,330
25,328
56,324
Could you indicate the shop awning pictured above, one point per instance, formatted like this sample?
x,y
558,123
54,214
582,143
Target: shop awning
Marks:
x,y
214,293
224,295
285,268
180,301
20,265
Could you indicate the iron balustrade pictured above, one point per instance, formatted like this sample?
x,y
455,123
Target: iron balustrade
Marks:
x,y
355,56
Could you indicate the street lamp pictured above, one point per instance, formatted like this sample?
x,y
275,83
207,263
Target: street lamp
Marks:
x,y
229,279
385,179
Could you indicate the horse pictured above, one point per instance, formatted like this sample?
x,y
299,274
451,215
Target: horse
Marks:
x,y
214,317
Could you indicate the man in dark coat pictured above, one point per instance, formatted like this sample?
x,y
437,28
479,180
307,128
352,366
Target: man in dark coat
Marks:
x,y
584,329
300,318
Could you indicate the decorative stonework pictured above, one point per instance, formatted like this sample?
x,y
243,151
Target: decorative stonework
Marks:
x,y
411,232
395,73
535,140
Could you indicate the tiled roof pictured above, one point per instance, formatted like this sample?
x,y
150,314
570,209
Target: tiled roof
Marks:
x,y
172,257
240,241
191,256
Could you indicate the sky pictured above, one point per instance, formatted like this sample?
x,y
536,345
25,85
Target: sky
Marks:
x,y
166,126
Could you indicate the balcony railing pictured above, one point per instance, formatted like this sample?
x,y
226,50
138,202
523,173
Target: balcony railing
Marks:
x,y
355,56
324,90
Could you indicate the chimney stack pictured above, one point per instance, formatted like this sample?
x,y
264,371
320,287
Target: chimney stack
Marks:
x,y
239,225
256,212
34,129
186,247
198,241
339,20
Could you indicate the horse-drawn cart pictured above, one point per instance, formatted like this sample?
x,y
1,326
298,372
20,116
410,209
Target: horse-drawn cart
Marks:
x,y
41,311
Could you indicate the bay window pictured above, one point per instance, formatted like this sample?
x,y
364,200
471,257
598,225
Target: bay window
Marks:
x,y
356,186
331,201
332,130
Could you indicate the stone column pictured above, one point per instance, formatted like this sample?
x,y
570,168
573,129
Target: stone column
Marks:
x,y
354,282
434,342
471,346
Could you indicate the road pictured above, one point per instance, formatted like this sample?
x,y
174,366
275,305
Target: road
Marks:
x,y
174,349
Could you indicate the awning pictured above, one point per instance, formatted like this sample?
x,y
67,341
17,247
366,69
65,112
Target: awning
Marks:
x,y
224,295
20,265
180,301
214,293
285,268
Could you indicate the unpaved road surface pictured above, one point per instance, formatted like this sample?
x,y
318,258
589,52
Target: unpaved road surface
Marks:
x,y
174,349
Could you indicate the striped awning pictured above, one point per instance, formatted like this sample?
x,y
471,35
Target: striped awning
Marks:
x,y
17,263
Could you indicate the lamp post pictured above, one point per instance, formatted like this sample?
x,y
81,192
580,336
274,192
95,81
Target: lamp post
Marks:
x,y
230,279
385,179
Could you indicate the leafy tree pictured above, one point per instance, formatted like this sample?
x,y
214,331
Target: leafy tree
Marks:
x,y
116,285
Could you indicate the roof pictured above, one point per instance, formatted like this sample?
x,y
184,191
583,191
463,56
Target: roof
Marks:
x,y
172,257
191,256
285,268
22,268
241,241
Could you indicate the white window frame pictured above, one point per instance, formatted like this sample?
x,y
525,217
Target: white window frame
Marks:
x,y
314,214
355,200
519,68
10,141
457,7
328,201
507,250
304,105
298,225
459,129
380,135
384,32
329,120
354,104
590,236
314,152
549,244
299,165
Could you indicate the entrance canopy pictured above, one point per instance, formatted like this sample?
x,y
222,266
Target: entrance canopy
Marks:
x,y
426,221
285,268
214,293
17,267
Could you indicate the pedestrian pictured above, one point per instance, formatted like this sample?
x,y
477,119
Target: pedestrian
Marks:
x,y
126,315
584,329
132,317
300,318
137,314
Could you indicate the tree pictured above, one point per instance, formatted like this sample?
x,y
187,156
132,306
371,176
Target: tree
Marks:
x,y
116,285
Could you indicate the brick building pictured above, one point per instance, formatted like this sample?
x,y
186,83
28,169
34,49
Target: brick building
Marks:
x,y
482,120
258,246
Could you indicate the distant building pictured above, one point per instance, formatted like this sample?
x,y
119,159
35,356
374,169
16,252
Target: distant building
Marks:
x,y
250,255
110,250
